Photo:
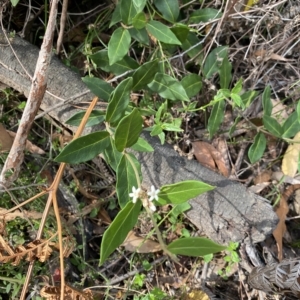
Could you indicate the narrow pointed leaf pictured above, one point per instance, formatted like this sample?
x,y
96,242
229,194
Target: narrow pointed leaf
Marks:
x,y
272,126
119,101
192,84
127,11
111,155
142,145
128,130
126,177
194,47
204,15
182,191
144,75
140,35
99,87
116,16
181,31
214,61
118,45
118,230
216,117
168,8
96,117
266,101
257,149
194,246
84,148
168,87
225,73
162,32
291,126
139,5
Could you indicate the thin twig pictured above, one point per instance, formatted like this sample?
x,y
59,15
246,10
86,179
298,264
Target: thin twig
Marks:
x,y
63,20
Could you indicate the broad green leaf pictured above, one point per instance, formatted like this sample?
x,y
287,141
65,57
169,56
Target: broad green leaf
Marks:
x,y
126,177
225,73
248,97
216,117
142,146
257,149
14,2
298,110
119,101
140,35
99,87
118,230
126,64
116,16
118,45
84,148
144,75
192,84
182,191
168,8
162,33
179,209
156,130
128,130
194,246
214,61
272,126
266,101
204,15
139,5
193,47
139,21
232,128
291,126
237,100
111,155
168,87
96,117
237,87
174,126
127,11
181,31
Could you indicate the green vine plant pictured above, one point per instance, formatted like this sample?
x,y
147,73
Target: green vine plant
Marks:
x,y
140,25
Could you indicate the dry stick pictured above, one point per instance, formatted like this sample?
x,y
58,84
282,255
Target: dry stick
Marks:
x,y
36,95
63,20
52,196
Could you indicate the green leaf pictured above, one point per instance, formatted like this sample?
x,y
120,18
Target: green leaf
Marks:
x,y
181,31
140,35
291,126
142,146
225,73
118,45
168,8
14,2
126,64
237,100
119,101
237,87
96,117
99,87
128,130
182,191
127,11
248,97
192,84
194,246
126,178
298,110
266,101
272,126
232,129
116,16
204,15
111,155
139,5
162,33
168,87
214,61
195,52
84,148
144,75
139,21
118,230
216,117
257,149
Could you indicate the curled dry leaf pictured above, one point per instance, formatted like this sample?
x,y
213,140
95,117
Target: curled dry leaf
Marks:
x,y
134,243
290,159
210,157
263,177
24,214
5,140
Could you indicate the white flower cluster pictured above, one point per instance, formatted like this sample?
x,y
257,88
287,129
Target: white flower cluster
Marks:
x,y
147,201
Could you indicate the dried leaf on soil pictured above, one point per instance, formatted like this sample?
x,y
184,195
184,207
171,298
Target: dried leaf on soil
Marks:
x,y
134,243
290,159
210,157
5,140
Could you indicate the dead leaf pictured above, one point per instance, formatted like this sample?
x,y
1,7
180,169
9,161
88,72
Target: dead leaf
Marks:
x,y
5,140
263,177
289,164
134,243
269,55
210,157
279,111
197,295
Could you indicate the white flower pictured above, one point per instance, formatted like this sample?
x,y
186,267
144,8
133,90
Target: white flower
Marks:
x,y
135,194
152,206
153,194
